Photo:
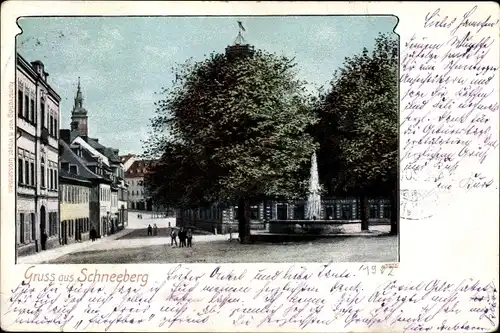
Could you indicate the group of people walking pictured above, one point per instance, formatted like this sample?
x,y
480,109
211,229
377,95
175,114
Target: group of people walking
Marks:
x,y
185,237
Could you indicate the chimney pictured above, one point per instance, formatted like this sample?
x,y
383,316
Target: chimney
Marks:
x,y
65,135
116,151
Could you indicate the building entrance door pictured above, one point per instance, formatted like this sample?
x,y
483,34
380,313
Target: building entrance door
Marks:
x,y
43,233
282,211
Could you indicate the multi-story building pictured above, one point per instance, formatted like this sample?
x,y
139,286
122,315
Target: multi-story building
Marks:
x,y
75,186
221,218
90,164
134,178
37,206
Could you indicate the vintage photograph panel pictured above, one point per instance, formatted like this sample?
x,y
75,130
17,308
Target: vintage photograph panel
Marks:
x,y
217,139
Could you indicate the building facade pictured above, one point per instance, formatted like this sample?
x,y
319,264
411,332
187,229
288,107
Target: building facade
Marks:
x,y
74,203
220,218
37,207
134,178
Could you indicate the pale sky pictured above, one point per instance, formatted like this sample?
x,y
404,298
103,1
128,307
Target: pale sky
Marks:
x,y
123,61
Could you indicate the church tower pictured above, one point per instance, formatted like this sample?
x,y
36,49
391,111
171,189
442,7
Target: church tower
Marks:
x,y
79,118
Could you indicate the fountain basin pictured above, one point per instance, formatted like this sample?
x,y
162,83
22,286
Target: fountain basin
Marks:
x,y
313,227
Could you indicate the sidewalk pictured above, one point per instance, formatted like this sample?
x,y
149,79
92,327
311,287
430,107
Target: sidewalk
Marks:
x,y
52,254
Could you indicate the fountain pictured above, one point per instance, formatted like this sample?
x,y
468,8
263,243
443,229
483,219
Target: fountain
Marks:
x,y
313,206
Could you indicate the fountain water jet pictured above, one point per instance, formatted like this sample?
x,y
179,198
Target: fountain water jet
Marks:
x,y
313,206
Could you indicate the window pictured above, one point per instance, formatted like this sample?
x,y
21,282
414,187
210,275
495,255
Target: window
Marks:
x,y
32,172
65,166
26,107
299,212
373,211
42,113
20,103
27,172
33,226
51,179
56,181
387,211
42,173
55,129
330,212
20,172
53,228
346,211
51,125
21,228
32,111
73,169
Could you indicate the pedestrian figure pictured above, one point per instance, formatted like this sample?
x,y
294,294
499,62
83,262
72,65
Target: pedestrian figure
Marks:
x,y
182,237
155,230
44,240
173,237
93,234
138,216
189,236
150,230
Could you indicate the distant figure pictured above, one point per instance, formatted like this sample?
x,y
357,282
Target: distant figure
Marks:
x,y
155,230
138,216
173,237
314,218
189,236
150,230
182,237
44,240
169,224
93,234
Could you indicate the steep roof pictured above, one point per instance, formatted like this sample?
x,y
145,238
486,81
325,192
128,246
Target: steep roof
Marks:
x,y
138,169
67,155
125,158
93,142
110,153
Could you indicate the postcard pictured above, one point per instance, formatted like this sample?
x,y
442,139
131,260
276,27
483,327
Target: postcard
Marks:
x,y
249,166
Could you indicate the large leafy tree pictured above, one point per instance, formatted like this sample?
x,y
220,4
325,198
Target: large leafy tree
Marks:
x,y
358,127
232,129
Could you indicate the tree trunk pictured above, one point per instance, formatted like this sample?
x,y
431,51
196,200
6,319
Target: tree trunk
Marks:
x,y
364,212
394,213
244,214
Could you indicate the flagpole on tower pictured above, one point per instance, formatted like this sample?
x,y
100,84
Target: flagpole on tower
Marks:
x,y
239,39
240,47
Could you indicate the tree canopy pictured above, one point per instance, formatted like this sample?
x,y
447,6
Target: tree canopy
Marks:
x,y
231,128
358,127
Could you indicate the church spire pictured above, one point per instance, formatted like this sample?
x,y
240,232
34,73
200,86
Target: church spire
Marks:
x,y
78,98
79,118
